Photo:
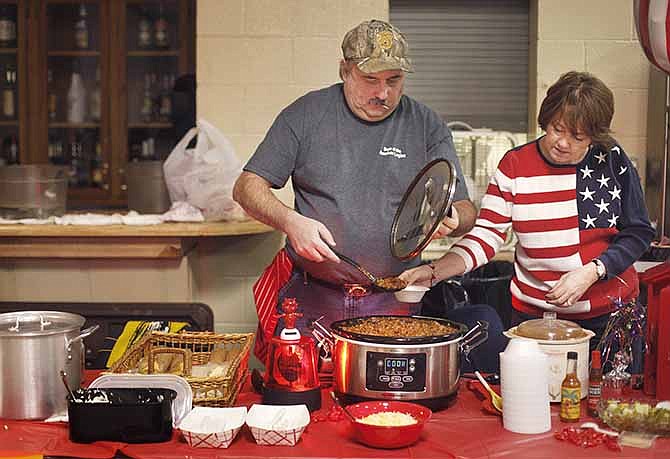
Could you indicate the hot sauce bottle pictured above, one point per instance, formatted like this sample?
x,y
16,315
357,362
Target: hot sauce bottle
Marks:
x,y
595,384
571,392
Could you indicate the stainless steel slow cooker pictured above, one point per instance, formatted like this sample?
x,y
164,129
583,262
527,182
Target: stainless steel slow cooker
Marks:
x,y
418,368
35,346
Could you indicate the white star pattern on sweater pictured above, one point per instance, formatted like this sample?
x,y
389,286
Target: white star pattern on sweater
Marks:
x,y
601,157
586,172
616,193
587,194
597,206
603,181
603,206
589,221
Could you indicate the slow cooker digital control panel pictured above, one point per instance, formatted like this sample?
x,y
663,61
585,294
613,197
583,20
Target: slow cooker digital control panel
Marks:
x,y
395,372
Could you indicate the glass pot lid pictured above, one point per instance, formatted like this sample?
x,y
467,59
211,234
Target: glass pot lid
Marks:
x,y
550,328
424,205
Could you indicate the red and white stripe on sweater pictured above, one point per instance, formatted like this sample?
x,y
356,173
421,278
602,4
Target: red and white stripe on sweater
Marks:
x,y
560,224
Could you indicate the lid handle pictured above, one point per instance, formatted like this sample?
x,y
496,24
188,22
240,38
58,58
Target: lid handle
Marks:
x,y
549,315
15,328
44,323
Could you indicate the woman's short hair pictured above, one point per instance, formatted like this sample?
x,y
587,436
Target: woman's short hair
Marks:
x,y
585,105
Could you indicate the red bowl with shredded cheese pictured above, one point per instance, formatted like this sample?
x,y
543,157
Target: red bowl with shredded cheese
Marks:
x,y
388,424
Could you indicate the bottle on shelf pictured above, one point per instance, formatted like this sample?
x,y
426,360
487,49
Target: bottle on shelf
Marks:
x,y
79,164
58,157
571,391
81,29
147,110
97,167
76,99
8,90
144,31
10,150
161,33
7,28
95,104
595,384
165,105
52,98
148,150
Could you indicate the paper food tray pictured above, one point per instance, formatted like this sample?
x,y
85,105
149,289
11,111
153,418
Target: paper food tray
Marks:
x,y
207,427
278,424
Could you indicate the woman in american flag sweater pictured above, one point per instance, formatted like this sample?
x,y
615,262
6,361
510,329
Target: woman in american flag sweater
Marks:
x,y
574,200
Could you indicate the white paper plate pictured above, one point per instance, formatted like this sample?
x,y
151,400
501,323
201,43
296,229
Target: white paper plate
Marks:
x,y
181,405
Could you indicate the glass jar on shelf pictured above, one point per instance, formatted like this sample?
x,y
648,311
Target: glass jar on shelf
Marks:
x,y
81,29
7,27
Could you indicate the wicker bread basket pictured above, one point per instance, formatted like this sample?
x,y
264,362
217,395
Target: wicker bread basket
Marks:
x,y
207,391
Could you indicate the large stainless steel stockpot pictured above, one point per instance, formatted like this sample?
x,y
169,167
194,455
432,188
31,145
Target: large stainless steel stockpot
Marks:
x,y
398,368
35,346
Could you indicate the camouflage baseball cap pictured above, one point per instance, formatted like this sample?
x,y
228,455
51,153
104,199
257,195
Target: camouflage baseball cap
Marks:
x,y
377,46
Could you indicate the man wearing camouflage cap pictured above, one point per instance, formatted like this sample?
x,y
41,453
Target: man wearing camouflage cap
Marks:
x,y
351,150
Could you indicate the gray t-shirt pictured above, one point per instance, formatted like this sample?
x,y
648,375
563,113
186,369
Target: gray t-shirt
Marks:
x,y
351,174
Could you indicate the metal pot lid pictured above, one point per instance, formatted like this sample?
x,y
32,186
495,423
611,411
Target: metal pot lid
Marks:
x,y
39,323
424,205
339,328
549,328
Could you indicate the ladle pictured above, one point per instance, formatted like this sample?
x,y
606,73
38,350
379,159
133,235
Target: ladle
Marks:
x,y
496,399
63,376
376,281
344,408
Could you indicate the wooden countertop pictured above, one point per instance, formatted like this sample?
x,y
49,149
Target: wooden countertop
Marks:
x,y
204,229
167,240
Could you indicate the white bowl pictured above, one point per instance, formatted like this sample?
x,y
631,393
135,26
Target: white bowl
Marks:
x,y
277,424
411,294
208,427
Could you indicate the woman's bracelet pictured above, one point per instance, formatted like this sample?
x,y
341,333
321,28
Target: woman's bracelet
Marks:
x,y
433,277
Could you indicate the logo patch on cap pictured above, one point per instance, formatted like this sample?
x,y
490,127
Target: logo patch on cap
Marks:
x,y
385,39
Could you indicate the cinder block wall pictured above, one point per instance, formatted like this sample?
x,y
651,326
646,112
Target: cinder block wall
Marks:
x,y
597,36
254,58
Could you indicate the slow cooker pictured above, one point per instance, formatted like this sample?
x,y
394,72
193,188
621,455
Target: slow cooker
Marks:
x,y
556,338
424,369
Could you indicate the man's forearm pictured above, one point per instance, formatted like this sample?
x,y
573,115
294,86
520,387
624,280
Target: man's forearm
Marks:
x,y
467,213
254,195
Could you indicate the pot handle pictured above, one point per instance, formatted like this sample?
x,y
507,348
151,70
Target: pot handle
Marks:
x,y
84,333
474,337
322,335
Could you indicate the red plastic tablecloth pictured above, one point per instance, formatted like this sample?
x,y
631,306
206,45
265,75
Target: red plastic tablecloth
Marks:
x,y
463,430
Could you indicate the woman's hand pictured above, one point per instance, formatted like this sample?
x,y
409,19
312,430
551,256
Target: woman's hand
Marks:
x,y
421,275
448,225
572,285
428,275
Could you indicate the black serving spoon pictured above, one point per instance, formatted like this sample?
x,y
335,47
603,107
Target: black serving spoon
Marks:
x,y
387,284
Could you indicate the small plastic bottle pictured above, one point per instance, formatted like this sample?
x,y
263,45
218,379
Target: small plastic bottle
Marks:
x,y
595,384
571,392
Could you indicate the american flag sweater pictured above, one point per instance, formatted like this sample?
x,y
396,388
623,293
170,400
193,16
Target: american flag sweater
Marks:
x,y
564,216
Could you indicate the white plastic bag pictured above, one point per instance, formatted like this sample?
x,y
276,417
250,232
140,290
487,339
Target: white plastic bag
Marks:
x,y
204,176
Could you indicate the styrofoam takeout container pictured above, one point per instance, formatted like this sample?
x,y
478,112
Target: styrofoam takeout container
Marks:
x,y
208,427
277,424
411,294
